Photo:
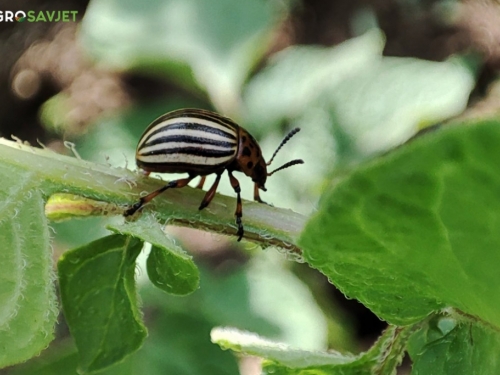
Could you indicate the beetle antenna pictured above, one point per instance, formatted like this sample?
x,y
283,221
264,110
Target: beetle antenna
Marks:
x,y
286,165
285,140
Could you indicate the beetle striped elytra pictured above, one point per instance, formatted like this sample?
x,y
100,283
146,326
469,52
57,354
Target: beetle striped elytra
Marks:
x,y
200,142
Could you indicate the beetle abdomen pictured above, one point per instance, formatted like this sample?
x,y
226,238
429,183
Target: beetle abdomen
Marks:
x,y
188,141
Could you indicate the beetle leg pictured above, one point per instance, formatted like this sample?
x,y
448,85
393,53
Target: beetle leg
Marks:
x,y
210,194
239,209
256,195
143,200
201,183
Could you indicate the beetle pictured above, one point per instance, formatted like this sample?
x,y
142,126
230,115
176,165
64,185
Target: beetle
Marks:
x,y
200,142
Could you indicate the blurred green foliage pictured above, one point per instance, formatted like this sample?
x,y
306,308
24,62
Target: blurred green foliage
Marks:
x,y
408,233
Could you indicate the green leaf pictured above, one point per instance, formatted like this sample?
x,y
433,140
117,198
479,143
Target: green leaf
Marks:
x,y
297,78
27,300
165,273
417,229
99,300
381,359
53,113
169,267
62,359
218,41
274,292
58,360
369,103
179,344
62,206
257,296
447,346
387,103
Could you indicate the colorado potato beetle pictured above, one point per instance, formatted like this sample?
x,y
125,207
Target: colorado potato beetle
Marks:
x,y
200,142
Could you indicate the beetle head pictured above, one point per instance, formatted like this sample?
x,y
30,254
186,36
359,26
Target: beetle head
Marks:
x,y
252,163
250,160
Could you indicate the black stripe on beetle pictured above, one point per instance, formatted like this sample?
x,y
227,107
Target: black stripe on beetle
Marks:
x,y
199,143
189,139
190,151
192,126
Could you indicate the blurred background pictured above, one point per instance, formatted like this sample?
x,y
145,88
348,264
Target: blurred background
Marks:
x,y
359,77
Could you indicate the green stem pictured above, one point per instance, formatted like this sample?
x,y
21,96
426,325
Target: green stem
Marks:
x,y
57,173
